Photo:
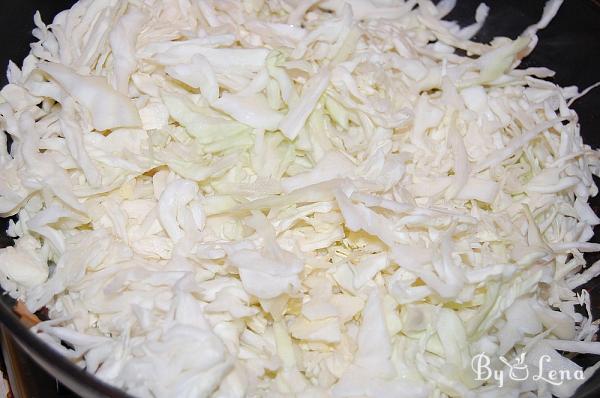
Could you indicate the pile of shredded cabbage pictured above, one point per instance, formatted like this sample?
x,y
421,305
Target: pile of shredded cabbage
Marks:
x,y
292,198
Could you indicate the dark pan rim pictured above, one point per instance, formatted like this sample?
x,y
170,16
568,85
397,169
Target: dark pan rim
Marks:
x,y
52,361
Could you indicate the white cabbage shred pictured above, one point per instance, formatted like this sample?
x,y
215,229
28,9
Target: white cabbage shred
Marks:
x,y
296,198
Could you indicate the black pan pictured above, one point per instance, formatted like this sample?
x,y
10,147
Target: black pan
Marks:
x,y
570,46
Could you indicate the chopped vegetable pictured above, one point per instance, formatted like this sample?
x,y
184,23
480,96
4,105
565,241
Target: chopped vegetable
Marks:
x,y
296,199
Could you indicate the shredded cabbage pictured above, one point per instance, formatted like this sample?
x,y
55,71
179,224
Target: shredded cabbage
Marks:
x,y
296,198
